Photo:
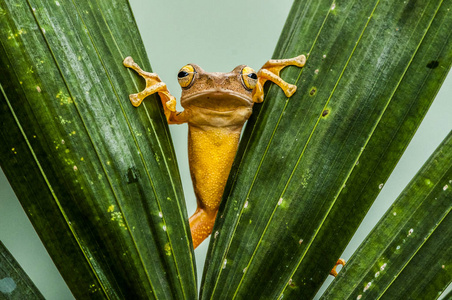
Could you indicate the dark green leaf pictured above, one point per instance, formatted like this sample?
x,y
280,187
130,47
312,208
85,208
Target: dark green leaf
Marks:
x,y
394,131
299,153
408,255
97,177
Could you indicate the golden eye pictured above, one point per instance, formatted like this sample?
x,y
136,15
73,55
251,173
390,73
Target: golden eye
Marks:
x,y
186,76
249,78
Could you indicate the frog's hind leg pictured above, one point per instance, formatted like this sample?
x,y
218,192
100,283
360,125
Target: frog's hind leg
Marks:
x,y
270,71
201,225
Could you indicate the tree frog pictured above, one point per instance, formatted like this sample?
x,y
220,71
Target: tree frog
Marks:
x,y
216,105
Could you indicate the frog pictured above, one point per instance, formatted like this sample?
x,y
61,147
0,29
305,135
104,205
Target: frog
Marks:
x,y
216,106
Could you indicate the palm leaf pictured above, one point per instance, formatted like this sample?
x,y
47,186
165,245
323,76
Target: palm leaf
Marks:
x,y
306,173
408,253
97,178
373,70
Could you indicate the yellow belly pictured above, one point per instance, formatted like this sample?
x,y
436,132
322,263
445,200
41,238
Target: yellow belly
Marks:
x,y
211,152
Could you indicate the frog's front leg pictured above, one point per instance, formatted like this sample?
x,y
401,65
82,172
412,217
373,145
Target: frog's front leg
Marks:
x,y
270,71
155,85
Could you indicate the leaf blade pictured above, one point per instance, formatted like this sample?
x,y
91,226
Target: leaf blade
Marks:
x,y
292,231
414,233
389,140
115,163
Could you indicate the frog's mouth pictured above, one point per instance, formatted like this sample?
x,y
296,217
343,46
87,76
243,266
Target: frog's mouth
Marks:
x,y
218,100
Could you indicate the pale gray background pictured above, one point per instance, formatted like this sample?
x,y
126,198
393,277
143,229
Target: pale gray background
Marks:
x,y
217,35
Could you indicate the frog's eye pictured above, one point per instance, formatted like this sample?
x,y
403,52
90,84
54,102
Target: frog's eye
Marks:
x,y
249,78
186,75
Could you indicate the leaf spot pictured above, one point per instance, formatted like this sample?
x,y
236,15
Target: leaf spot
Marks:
x,y
367,286
313,91
7,285
433,64
132,175
168,249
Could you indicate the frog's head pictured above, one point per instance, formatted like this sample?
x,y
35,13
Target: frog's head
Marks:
x,y
217,91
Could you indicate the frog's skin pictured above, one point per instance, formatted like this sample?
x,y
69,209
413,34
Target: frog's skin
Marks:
x,y
216,105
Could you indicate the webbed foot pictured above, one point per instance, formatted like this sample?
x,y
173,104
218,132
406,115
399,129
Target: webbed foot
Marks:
x,y
270,71
154,85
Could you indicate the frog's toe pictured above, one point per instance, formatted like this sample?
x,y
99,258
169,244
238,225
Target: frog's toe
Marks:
x,y
290,90
339,262
128,62
135,100
300,60
171,104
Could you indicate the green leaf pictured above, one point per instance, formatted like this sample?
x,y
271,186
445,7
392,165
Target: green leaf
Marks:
x,y
373,69
394,131
409,251
14,282
97,177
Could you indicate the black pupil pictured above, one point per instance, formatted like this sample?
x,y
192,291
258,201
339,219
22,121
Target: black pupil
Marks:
x,y
252,75
182,74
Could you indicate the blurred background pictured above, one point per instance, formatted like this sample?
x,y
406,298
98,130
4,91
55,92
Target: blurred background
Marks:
x,y
218,36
